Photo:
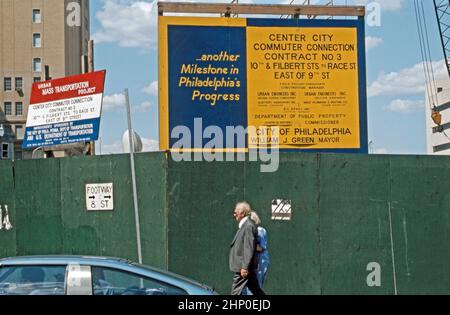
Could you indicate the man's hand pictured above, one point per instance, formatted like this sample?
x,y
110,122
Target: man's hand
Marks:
x,y
244,273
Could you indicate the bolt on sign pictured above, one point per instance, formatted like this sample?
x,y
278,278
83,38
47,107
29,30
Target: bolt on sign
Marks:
x,y
99,197
299,85
65,111
281,209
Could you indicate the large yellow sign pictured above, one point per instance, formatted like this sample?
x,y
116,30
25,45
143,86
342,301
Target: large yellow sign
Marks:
x,y
293,84
305,82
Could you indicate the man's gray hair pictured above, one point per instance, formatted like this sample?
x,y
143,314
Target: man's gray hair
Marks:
x,y
244,207
255,218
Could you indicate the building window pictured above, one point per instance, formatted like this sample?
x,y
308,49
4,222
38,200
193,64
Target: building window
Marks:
x,y
19,84
442,128
19,132
19,109
36,79
37,65
442,147
7,86
36,16
5,151
37,40
8,108
7,130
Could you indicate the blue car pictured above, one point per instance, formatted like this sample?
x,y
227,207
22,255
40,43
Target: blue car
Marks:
x,y
79,275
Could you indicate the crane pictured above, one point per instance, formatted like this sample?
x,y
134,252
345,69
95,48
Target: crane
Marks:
x,y
442,8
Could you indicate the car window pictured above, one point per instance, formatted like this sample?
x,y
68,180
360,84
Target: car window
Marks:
x,y
32,280
107,281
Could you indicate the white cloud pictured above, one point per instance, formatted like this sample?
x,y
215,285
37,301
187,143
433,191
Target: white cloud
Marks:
x,y
143,107
372,42
117,102
152,89
113,102
405,106
381,151
148,145
408,81
386,5
105,149
134,24
128,24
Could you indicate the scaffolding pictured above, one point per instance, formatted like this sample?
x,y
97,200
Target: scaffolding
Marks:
x,y
308,2
235,8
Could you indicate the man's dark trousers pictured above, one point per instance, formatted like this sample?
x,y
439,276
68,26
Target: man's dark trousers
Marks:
x,y
251,282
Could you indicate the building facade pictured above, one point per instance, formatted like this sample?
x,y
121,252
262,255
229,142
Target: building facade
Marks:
x,y
438,135
39,40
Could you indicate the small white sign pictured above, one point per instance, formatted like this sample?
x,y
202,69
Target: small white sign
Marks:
x,y
99,197
281,209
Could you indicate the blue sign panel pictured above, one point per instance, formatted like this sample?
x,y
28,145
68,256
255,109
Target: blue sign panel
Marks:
x,y
62,133
207,80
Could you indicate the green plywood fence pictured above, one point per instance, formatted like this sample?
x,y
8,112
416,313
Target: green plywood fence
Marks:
x,y
348,211
7,237
51,217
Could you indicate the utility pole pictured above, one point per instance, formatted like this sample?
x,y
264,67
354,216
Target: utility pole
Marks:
x,y
133,177
91,69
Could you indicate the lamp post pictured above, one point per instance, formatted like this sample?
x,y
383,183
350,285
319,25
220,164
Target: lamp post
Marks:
x,y
2,133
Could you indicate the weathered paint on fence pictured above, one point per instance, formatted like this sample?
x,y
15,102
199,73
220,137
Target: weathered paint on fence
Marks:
x,y
348,212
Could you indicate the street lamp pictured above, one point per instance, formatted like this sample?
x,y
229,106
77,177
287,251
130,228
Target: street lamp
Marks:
x,y
2,133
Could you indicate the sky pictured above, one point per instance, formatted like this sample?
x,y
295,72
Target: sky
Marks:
x,y
125,35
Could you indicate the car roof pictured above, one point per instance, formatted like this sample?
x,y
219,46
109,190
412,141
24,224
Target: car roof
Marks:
x,y
61,259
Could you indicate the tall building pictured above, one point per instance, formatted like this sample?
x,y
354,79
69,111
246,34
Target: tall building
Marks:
x,y
39,40
438,135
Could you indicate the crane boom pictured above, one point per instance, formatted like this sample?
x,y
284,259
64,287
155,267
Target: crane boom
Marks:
x,y
442,8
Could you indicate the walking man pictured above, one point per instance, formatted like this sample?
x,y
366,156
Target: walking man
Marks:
x,y
243,260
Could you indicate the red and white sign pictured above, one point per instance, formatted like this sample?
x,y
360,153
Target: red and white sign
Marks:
x,y
65,110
